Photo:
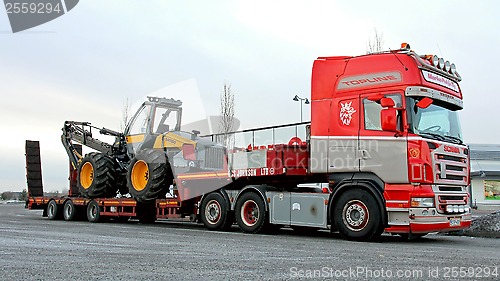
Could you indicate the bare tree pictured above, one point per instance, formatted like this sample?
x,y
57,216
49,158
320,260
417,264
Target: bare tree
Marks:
x,y
226,115
376,44
125,115
23,196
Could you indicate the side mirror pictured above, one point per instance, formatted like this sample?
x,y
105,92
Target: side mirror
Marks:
x,y
389,119
387,102
424,103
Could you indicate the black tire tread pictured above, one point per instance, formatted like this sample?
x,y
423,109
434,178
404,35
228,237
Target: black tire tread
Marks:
x,y
260,226
374,227
98,217
104,182
57,214
73,216
159,176
226,220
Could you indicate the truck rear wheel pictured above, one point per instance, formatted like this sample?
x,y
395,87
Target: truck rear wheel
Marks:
x,y
148,176
53,211
357,215
69,211
96,176
250,213
214,212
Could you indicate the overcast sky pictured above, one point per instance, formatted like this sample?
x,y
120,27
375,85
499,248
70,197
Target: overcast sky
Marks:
x,y
85,64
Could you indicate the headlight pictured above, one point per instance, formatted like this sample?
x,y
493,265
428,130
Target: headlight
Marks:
x,y
422,202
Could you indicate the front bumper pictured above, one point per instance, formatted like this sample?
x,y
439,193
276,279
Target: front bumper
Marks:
x,y
426,220
420,223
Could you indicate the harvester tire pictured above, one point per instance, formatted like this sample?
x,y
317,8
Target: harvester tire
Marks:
x,y
96,176
148,176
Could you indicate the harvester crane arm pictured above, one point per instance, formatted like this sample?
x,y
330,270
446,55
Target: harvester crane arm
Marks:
x,y
81,132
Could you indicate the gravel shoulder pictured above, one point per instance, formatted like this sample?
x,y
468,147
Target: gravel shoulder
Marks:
x,y
485,226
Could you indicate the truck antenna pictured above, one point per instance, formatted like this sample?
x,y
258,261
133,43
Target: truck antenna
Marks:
x,y
439,48
392,52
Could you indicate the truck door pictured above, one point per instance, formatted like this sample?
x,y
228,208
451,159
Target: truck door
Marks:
x,y
382,153
343,134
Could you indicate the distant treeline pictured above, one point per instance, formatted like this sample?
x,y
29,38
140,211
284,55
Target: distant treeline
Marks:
x,y
23,195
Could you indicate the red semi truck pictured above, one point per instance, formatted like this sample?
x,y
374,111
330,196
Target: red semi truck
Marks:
x,y
384,138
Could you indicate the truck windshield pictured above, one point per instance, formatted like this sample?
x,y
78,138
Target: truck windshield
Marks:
x,y
436,122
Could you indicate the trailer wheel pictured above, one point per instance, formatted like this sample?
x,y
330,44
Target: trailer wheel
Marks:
x,y
69,211
96,176
94,212
357,215
53,211
214,212
250,213
149,176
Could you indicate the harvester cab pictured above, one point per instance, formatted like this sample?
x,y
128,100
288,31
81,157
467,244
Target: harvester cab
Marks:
x,y
159,150
154,119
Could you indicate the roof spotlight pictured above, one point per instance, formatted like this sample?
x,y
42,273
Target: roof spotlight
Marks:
x,y
453,69
447,66
435,60
441,63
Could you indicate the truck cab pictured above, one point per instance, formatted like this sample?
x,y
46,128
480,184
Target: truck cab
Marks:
x,y
392,119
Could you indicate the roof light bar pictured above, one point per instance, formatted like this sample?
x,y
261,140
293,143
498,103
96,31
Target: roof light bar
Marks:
x,y
443,65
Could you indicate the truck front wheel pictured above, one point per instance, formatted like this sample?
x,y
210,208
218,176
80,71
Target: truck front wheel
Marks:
x,y
357,215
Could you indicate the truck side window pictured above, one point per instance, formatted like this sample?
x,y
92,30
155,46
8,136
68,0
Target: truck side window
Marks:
x,y
372,112
372,115
140,122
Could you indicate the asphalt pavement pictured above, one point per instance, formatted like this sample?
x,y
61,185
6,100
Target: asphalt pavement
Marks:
x,y
35,248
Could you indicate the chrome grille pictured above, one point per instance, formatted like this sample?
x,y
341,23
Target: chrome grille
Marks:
x,y
214,158
450,169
